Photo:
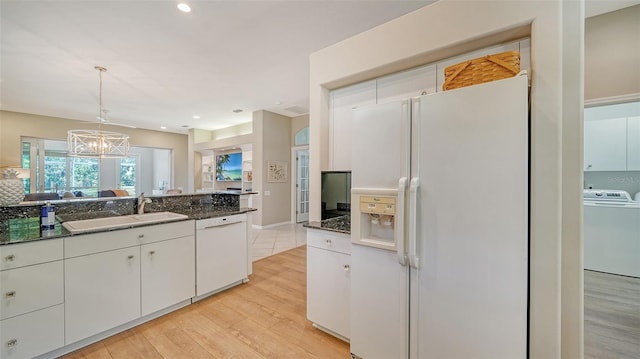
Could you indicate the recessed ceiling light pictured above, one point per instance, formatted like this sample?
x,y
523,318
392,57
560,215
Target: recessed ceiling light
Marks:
x,y
163,127
184,7
196,117
237,110
185,126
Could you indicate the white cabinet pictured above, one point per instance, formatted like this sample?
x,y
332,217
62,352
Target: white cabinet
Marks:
x,y
633,144
112,277
31,302
167,273
102,291
30,288
343,101
328,280
407,84
605,145
32,334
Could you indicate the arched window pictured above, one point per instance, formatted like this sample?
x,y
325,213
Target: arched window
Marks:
x,y
302,137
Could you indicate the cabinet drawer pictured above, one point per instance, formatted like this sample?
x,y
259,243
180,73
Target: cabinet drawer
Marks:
x,y
32,334
30,288
337,242
105,241
162,232
85,244
25,254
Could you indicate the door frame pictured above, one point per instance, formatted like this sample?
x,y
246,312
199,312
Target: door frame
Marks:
x,y
294,181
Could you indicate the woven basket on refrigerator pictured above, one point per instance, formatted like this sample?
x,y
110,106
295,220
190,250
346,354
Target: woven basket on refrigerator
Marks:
x,y
483,69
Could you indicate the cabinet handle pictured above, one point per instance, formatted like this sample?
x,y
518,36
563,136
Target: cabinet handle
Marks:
x,y
130,257
347,267
588,166
140,236
12,343
10,294
152,253
328,242
10,258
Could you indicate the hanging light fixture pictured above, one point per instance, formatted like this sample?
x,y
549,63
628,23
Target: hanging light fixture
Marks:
x,y
92,143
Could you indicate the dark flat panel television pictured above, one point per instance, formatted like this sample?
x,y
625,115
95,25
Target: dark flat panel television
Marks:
x,y
229,167
335,193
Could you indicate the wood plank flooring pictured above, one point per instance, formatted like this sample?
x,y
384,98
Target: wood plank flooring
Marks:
x,y
611,316
265,318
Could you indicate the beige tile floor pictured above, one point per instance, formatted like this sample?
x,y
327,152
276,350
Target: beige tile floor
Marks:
x,y
266,242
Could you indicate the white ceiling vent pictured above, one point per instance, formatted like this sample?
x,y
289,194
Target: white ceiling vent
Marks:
x,y
297,110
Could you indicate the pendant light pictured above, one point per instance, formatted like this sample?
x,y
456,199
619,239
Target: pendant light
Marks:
x,y
100,144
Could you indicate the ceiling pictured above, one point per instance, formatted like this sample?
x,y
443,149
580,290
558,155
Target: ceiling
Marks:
x,y
164,66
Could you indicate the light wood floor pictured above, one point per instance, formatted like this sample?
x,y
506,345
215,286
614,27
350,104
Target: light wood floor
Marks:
x,y
265,318
611,316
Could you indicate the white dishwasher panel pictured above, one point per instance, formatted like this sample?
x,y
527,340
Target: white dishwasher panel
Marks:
x,y
221,253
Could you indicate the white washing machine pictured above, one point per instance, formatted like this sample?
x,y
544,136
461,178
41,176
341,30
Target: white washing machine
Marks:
x,y
611,232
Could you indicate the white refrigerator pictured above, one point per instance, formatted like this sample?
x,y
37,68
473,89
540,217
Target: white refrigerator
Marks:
x,y
439,261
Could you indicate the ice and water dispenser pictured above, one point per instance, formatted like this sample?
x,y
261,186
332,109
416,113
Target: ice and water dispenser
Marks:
x,y
374,219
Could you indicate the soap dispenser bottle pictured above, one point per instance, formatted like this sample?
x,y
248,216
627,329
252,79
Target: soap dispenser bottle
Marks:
x,y
47,219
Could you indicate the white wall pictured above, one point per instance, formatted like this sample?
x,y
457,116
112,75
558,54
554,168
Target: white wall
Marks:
x,y
447,28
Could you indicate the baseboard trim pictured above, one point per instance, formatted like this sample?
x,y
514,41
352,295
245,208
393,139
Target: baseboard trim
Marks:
x,y
270,225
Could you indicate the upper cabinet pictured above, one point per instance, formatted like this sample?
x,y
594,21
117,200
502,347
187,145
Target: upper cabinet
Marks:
x,y
406,84
633,143
605,145
411,83
343,101
612,137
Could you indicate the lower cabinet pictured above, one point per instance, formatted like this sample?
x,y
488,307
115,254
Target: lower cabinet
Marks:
x,y
32,334
32,299
167,273
112,278
328,281
102,291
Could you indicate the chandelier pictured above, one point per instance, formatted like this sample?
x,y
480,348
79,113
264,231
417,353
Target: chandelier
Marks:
x,y
97,143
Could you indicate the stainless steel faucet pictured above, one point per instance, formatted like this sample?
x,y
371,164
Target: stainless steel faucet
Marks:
x,y
141,202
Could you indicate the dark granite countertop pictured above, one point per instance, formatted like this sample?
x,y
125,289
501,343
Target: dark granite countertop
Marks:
x,y
19,230
340,224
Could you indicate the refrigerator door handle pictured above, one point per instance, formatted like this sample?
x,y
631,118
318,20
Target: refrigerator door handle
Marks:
x,y
400,240
413,207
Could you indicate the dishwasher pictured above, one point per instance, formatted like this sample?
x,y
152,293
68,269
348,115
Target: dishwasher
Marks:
x,y
221,253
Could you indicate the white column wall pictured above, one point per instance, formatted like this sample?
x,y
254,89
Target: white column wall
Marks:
x,y
446,28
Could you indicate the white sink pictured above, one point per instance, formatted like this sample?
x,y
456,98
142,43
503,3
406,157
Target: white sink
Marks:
x,y
97,224
158,217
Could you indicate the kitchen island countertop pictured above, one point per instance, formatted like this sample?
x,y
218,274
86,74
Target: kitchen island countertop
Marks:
x,y
340,224
19,230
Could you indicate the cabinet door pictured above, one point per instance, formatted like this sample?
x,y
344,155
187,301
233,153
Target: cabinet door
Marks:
x,y
168,273
30,288
343,101
102,291
328,288
407,84
605,144
32,334
633,144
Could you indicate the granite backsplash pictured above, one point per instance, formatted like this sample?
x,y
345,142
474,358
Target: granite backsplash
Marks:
x,y
123,206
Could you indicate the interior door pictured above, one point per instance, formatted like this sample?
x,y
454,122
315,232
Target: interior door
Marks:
x,y
302,185
469,291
